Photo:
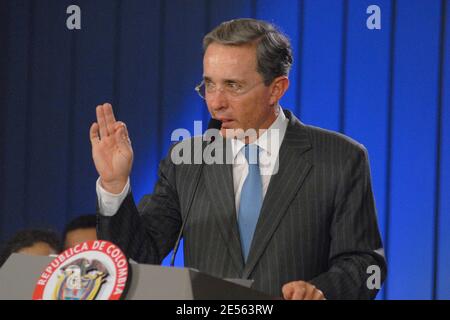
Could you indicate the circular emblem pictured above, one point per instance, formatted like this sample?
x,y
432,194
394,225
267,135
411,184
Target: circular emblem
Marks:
x,y
90,270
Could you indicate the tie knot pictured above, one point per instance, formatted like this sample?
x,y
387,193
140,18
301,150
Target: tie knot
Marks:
x,y
251,153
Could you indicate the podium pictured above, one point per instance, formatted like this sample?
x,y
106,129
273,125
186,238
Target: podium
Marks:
x,y
19,274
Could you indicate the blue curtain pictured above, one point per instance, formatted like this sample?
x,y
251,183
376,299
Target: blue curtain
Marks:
x,y
387,88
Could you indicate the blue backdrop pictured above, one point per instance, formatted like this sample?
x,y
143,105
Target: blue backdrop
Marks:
x,y
388,89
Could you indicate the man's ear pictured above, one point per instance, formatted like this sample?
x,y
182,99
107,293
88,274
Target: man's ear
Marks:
x,y
279,87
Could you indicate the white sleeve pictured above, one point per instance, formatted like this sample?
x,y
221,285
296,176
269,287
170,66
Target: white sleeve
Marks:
x,y
109,203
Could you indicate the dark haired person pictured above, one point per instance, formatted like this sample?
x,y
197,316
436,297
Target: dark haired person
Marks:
x,y
33,242
80,229
305,228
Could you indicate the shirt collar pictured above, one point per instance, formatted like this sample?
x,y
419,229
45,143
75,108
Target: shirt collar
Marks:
x,y
276,130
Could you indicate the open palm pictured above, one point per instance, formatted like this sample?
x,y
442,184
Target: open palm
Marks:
x,y
111,149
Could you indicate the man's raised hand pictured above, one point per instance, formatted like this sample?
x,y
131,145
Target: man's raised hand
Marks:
x,y
111,149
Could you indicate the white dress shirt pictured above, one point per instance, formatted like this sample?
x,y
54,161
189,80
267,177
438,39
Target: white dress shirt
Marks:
x,y
269,146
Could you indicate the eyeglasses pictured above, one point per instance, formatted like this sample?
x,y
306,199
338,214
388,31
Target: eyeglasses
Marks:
x,y
231,89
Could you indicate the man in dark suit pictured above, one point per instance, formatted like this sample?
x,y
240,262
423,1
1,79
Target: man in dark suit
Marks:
x,y
299,217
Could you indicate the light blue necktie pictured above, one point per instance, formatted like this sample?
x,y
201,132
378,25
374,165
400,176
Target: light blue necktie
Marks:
x,y
251,199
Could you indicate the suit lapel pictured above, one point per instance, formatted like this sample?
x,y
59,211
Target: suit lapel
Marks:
x,y
219,184
283,187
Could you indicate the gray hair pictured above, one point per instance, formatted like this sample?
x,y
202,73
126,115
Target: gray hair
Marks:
x,y
273,49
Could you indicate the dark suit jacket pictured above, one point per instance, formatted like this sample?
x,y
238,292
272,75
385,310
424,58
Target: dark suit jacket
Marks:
x,y
318,220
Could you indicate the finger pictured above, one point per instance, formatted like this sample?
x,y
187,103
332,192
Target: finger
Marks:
x,y
289,288
120,124
121,135
299,293
318,295
109,117
310,290
109,110
287,291
101,122
94,134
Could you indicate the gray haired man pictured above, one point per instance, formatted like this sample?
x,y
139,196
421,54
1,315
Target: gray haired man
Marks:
x,y
305,231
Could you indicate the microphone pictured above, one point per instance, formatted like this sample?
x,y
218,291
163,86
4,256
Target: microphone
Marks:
x,y
213,124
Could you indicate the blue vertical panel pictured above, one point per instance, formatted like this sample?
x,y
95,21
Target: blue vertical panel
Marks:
x,y
366,95
286,15
182,67
93,84
321,71
414,150
443,249
14,109
138,88
46,162
220,11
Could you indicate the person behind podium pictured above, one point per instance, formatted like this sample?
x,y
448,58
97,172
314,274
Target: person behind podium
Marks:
x,y
80,229
306,230
32,242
